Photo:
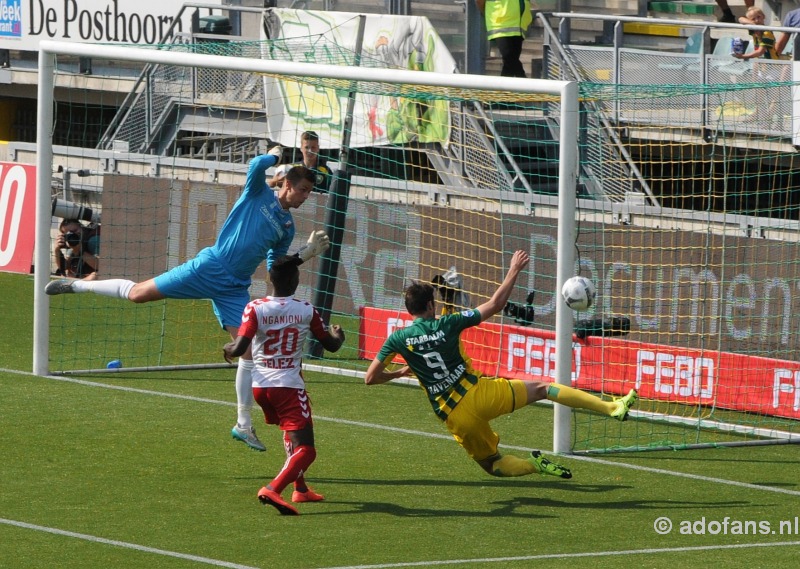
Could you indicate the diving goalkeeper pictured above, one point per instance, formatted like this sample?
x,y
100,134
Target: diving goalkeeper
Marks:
x,y
258,227
460,396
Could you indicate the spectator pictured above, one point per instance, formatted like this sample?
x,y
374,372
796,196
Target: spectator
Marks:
x,y
764,47
278,326
763,40
507,23
309,148
727,15
792,20
82,246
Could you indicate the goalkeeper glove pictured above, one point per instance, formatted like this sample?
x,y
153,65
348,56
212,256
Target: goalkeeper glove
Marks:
x,y
318,242
276,151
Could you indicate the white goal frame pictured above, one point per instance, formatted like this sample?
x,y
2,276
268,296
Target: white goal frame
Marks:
x,y
565,91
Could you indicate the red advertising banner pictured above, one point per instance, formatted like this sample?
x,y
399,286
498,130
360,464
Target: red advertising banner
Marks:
x,y
613,365
17,216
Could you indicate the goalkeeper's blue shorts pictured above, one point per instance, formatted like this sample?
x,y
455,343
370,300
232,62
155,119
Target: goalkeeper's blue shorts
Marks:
x,y
206,277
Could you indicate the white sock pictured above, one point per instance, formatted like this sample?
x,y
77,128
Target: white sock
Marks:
x,y
117,288
244,392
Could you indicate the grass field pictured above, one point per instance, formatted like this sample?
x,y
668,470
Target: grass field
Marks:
x,y
139,471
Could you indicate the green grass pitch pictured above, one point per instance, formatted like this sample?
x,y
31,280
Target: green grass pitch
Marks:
x,y
139,471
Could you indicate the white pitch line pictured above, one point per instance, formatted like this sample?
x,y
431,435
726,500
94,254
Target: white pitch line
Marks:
x,y
138,390
125,544
436,436
581,457
429,435
747,485
569,555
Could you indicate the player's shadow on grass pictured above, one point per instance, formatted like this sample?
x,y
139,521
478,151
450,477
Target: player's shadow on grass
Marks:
x,y
519,482
504,510
627,504
527,507
768,484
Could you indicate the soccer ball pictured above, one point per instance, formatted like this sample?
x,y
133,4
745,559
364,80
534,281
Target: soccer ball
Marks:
x,y
578,293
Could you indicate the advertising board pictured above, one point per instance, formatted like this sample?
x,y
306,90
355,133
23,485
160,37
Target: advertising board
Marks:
x,y
24,23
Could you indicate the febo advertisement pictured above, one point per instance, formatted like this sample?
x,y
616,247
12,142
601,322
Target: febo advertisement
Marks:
x,y
24,23
613,365
17,216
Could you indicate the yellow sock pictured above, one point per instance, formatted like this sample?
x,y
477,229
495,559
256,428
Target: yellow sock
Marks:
x,y
578,399
512,466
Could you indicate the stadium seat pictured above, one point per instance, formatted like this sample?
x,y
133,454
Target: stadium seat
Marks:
x,y
694,45
736,66
721,55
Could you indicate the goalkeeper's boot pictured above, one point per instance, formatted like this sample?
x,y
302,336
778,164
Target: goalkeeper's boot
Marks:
x,y
248,437
624,405
61,286
307,496
547,467
272,498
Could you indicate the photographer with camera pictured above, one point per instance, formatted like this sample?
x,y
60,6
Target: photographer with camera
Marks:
x,y
76,249
450,286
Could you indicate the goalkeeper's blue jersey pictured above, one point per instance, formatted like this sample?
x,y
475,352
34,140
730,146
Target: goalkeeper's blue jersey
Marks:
x,y
432,349
257,228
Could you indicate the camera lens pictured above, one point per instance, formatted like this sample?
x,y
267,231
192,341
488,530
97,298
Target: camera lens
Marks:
x,y
527,315
511,309
72,238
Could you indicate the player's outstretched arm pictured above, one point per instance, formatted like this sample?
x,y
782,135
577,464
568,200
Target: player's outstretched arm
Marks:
x,y
276,180
236,348
333,339
257,171
377,374
277,152
500,297
318,242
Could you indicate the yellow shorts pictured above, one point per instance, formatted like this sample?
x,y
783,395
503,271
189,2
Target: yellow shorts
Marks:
x,y
487,400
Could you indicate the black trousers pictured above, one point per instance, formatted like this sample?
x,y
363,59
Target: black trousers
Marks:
x,y
510,49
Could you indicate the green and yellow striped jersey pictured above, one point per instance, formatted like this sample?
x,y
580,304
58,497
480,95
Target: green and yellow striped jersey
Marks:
x,y
432,349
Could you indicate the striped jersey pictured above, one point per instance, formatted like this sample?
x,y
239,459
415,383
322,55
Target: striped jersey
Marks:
x,y
767,41
279,327
432,349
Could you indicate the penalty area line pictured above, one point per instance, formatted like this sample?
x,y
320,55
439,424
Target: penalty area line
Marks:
x,y
587,554
125,544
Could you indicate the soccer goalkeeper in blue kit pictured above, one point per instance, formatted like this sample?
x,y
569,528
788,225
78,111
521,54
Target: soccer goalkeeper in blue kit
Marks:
x,y
259,227
463,398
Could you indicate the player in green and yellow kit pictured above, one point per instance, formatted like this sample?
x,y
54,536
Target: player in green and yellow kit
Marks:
x,y
463,398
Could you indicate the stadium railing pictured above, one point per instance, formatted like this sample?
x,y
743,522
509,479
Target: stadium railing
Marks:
x,y
617,65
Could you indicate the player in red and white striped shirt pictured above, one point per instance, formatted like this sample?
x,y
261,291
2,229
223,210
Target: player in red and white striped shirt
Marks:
x,y
278,326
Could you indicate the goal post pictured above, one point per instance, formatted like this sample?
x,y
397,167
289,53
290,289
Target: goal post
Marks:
x,y
562,96
44,165
691,240
565,266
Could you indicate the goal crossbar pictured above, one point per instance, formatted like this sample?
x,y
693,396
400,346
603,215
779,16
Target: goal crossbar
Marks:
x,y
565,93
